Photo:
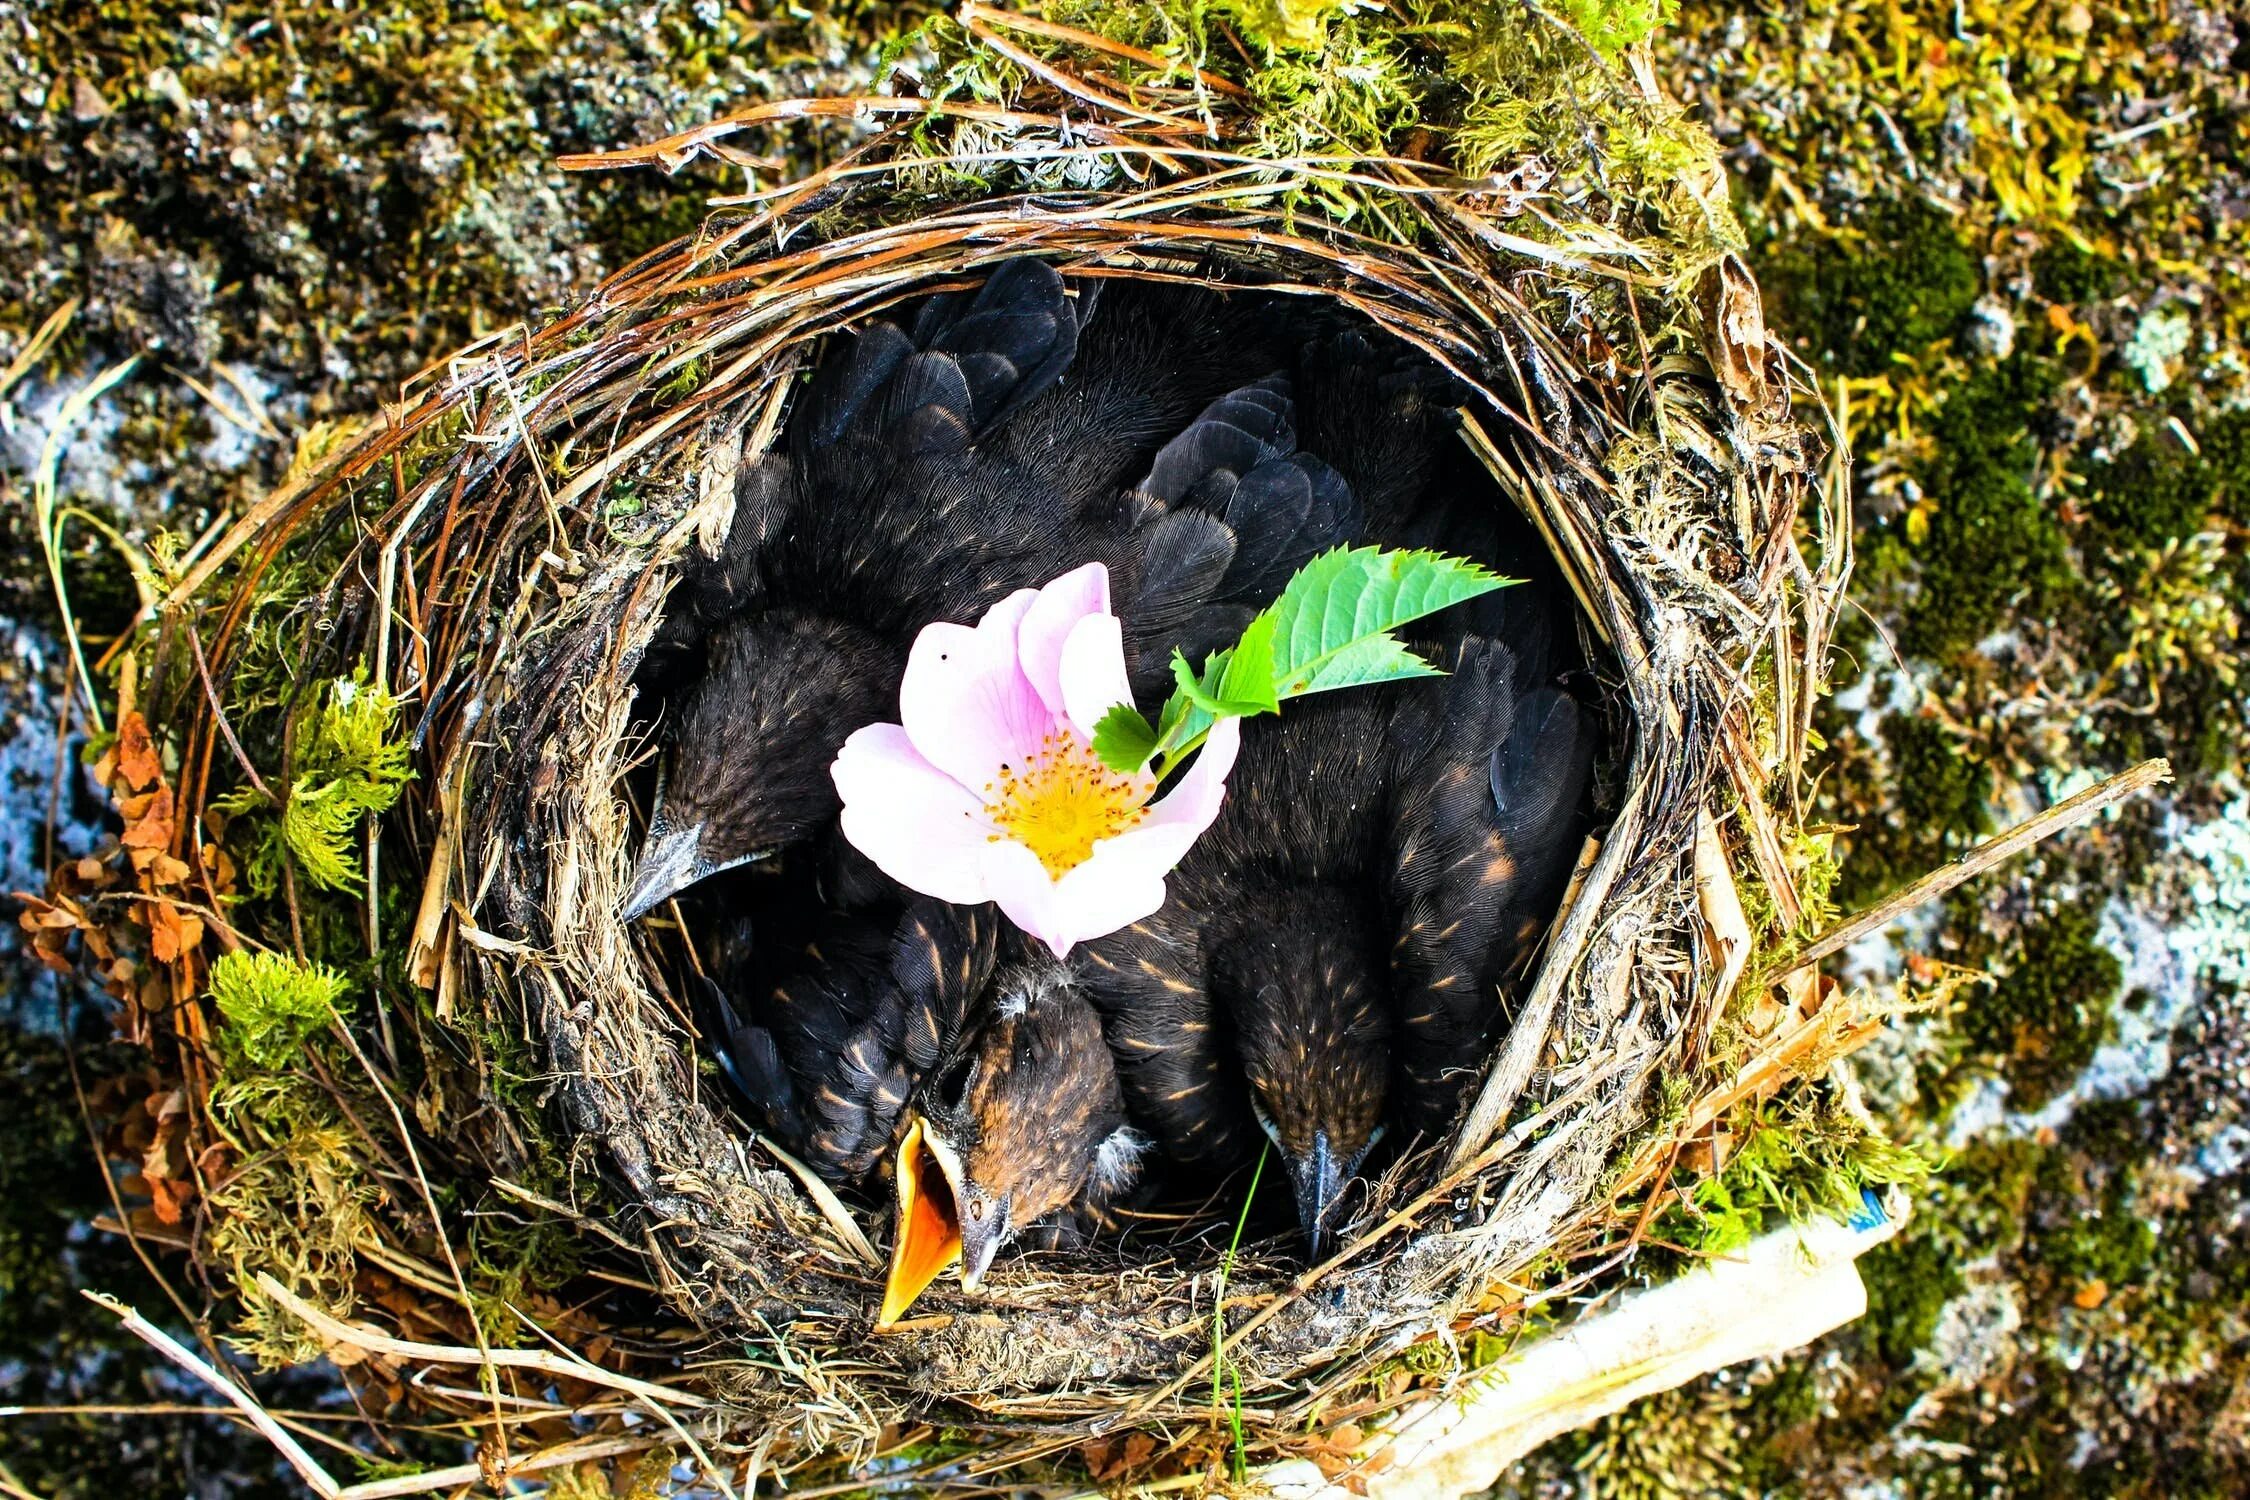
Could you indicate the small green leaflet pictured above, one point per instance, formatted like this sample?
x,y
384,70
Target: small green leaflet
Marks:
x,y
1331,628
1123,739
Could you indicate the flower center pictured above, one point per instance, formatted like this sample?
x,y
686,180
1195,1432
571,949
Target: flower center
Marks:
x,y
1062,801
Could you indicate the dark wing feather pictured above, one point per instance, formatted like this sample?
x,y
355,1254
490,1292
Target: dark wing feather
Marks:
x,y
1285,512
1538,778
1238,512
1233,435
1380,411
1015,340
1182,560
1451,874
866,1020
750,1060
941,958
1149,358
929,408
848,380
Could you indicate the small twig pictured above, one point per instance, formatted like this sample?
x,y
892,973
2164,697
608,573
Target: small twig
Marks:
x,y
308,1468
462,1476
219,717
2064,814
437,1218
658,1409
824,1197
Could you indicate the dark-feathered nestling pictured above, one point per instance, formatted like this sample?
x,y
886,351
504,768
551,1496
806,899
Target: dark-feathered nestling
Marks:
x,y
1329,962
992,1102
1025,1129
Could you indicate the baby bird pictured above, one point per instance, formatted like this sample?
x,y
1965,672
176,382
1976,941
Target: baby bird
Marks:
x,y
1025,1130
927,474
1329,962
990,1101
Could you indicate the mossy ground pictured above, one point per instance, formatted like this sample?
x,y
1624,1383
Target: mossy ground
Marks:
x,y
2019,293
2011,244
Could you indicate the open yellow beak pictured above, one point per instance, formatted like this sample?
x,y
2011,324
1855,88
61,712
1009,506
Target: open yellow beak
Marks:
x,y
929,1227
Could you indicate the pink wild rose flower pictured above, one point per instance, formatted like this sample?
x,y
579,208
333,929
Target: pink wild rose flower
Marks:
x,y
990,790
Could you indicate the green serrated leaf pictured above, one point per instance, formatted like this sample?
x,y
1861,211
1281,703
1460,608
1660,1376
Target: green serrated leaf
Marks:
x,y
1378,658
1249,671
1347,596
1124,739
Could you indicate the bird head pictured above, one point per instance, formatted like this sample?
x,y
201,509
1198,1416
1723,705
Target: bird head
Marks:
x,y
1313,1032
1026,1121
747,771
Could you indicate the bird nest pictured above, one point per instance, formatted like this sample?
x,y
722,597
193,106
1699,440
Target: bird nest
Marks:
x,y
495,558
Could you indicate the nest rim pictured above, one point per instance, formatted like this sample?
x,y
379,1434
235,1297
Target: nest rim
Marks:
x,y
650,1157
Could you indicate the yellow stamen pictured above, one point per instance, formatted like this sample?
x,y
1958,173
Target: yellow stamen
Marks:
x,y
1062,801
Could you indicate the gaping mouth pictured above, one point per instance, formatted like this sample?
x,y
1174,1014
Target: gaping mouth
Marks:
x,y
929,1221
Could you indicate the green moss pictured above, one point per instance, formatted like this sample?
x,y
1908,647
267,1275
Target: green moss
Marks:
x,y
2152,493
2045,1018
2066,273
1942,794
349,765
1799,1158
2158,490
271,1004
1909,1281
1610,26
1994,546
1905,283
1477,84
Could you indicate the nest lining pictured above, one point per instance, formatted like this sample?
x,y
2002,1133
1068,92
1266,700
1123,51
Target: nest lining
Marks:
x,y
1661,464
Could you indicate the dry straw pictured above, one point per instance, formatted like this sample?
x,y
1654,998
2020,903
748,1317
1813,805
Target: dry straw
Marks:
x,y
497,554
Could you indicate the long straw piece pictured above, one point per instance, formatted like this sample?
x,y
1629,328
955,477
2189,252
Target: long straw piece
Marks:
x,y
292,1452
2065,814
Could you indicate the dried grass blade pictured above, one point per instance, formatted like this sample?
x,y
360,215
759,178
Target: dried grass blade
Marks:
x,y
450,1354
2007,846
292,1452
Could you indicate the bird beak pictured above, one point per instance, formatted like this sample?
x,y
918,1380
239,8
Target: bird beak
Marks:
x,y
1318,1179
671,861
928,1237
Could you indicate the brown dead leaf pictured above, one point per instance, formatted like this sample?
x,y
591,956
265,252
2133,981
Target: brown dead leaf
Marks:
x,y
133,758
171,932
148,823
1735,325
169,1198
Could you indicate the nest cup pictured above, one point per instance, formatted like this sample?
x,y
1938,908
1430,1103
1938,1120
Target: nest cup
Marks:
x,y
518,526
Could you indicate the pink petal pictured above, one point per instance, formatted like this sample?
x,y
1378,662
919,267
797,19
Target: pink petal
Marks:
x,y
966,705
1177,819
1019,884
1114,888
1095,899
1093,671
1122,881
920,826
1047,625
